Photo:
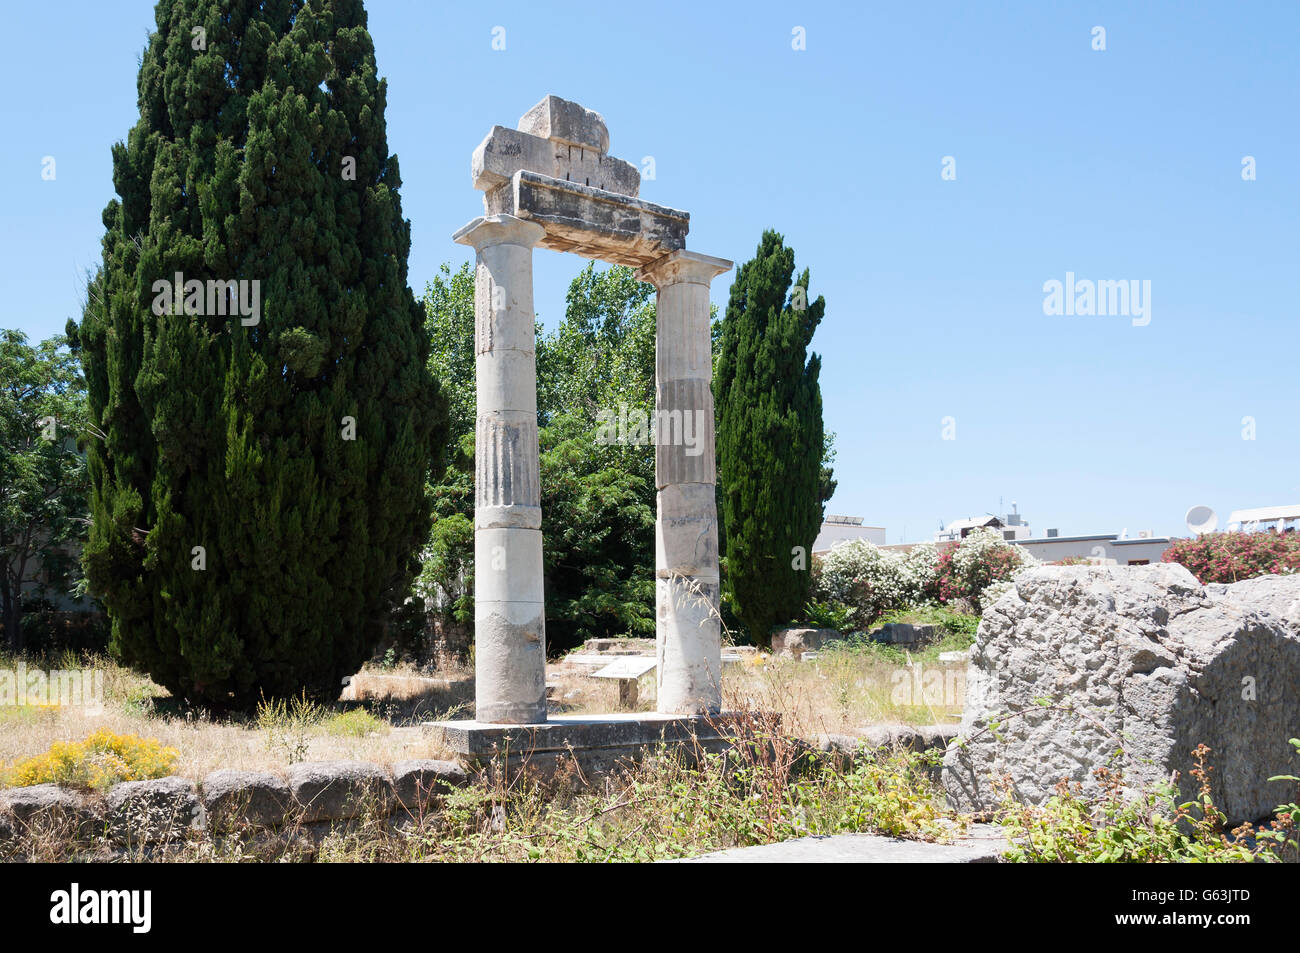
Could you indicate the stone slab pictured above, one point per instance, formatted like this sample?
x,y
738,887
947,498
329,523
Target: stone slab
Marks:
x,y
984,845
472,739
629,666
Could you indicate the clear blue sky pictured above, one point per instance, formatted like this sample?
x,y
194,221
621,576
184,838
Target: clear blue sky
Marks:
x,y
1122,164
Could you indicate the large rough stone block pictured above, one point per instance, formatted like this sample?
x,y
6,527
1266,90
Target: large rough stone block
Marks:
x,y
1279,595
416,783
41,802
339,790
792,643
906,633
258,798
507,151
1138,658
556,118
146,812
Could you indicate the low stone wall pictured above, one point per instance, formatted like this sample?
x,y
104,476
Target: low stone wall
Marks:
x,y
166,810
909,634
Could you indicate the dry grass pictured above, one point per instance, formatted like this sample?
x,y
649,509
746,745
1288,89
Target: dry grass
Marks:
x,y
134,705
843,692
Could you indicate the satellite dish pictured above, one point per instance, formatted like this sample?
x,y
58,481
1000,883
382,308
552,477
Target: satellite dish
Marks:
x,y
1201,519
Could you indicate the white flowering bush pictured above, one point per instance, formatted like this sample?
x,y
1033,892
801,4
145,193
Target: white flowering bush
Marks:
x,y
919,571
864,576
873,581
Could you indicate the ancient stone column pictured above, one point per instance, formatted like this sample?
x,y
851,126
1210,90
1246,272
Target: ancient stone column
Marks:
x,y
509,610
688,627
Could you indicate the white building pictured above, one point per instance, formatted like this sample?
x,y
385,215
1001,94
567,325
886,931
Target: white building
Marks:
x,y
1104,548
1275,517
838,529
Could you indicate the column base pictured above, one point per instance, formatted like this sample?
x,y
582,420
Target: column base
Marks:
x,y
584,745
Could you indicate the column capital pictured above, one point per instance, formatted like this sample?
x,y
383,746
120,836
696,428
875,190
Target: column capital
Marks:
x,y
682,266
488,230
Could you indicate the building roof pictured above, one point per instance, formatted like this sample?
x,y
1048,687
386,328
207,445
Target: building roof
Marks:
x,y
1106,537
1265,514
971,523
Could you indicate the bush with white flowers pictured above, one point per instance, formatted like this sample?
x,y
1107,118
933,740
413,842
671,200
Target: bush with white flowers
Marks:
x,y
873,581
919,570
864,576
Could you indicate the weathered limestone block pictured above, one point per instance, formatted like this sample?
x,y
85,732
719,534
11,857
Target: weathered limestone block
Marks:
x,y
417,783
340,790
1279,595
792,643
689,672
147,812
507,151
563,119
509,661
1142,658
258,798
591,222
41,802
905,633
686,532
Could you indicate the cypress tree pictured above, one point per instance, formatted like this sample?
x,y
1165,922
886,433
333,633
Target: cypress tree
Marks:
x,y
258,485
770,438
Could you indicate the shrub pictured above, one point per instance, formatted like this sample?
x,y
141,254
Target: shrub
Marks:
x,y
1124,826
355,723
1229,557
864,576
99,762
919,572
830,615
983,558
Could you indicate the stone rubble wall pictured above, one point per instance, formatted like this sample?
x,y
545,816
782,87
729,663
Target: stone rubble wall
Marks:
x,y
164,810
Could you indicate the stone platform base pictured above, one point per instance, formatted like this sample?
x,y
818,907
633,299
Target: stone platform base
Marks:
x,y
594,744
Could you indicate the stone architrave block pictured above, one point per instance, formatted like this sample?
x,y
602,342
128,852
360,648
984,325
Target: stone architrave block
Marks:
x,y
591,222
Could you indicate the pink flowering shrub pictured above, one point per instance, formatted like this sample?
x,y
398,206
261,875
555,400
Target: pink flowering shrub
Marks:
x,y
977,562
1229,557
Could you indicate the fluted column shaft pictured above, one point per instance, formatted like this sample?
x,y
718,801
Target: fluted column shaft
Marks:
x,y
509,607
687,625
